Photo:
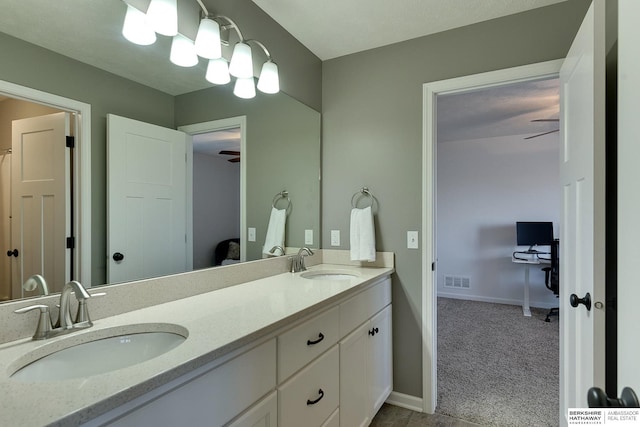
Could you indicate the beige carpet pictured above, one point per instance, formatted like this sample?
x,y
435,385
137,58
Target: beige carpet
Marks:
x,y
495,366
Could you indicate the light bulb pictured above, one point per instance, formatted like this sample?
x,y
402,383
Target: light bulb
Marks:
x,y
269,81
241,65
136,29
163,16
208,39
183,52
218,71
244,88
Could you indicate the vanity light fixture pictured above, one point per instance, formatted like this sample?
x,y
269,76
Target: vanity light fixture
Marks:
x,y
162,17
136,28
183,51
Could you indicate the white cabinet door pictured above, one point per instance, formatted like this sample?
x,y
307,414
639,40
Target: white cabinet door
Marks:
x,y
381,359
262,414
355,407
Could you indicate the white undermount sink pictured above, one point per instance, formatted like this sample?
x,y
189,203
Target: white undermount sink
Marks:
x,y
329,275
101,354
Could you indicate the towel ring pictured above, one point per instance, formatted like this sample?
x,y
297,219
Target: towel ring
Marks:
x,y
281,195
364,192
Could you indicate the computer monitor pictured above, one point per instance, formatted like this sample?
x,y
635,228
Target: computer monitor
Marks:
x,y
534,233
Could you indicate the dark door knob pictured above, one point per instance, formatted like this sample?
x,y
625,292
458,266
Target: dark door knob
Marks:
x,y
597,398
117,257
13,253
575,301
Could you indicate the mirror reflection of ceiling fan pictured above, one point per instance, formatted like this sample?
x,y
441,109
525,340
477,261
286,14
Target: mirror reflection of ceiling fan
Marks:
x,y
235,159
544,133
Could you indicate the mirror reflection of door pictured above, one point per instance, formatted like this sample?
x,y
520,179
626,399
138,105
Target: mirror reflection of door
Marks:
x,y
36,172
146,200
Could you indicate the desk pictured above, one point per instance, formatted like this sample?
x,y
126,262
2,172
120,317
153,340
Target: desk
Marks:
x,y
528,259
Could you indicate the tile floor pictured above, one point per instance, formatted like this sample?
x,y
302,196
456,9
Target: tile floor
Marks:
x,y
394,416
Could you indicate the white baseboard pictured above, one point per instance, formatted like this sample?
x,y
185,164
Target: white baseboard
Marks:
x,y
539,304
405,401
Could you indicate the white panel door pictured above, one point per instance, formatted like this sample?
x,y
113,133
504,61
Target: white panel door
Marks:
x,y
381,359
628,200
582,231
146,205
40,196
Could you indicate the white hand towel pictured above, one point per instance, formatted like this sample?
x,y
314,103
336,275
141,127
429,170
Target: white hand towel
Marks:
x,y
275,230
362,233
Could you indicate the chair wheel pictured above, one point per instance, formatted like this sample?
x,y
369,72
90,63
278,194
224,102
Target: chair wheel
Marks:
x,y
547,320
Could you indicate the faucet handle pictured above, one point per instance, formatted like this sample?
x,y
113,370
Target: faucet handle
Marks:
x,y
44,321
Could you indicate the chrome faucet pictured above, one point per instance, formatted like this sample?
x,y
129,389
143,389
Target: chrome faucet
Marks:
x,y
65,324
275,248
297,262
82,316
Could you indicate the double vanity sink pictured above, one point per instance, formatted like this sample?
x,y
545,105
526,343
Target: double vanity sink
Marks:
x,y
124,356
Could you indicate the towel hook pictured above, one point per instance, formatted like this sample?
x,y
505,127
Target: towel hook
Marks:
x,y
281,195
364,192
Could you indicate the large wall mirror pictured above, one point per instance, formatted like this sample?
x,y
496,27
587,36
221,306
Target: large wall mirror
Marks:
x,y
281,151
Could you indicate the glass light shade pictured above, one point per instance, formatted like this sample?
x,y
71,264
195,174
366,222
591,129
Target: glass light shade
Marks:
x,y
162,16
183,51
269,81
208,39
241,65
136,29
218,71
244,88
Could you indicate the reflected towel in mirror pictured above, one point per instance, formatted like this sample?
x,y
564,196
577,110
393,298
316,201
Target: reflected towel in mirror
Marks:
x,y
362,234
275,230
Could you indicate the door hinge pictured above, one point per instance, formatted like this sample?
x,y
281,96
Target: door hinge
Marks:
x,y
71,242
71,142
433,266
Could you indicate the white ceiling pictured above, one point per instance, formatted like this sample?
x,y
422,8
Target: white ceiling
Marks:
x,y
333,28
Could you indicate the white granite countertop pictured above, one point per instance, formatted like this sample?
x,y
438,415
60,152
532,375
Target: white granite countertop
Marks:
x,y
217,322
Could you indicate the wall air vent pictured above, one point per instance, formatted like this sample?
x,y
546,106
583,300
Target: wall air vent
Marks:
x,y
457,282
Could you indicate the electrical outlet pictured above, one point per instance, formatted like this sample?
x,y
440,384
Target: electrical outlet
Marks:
x,y
412,240
251,235
308,237
335,237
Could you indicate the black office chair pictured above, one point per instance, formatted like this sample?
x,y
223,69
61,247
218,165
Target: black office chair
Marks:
x,y
552,277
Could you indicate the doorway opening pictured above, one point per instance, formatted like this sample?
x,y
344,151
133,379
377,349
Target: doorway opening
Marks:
x,y
430,272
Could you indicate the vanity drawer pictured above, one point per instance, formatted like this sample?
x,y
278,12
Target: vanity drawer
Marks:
x,y
312,395
361,307
305,342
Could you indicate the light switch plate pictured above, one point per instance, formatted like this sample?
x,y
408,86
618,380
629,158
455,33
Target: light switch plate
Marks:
x,y
251,235
412,240
335,237
308,237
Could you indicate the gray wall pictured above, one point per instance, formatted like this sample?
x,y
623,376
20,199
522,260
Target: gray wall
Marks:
x,y
372,135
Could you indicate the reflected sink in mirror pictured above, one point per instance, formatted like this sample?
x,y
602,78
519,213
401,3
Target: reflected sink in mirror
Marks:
x,y
329,275
101,354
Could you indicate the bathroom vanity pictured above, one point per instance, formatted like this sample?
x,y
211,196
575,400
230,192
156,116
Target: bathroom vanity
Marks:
x,y
289,349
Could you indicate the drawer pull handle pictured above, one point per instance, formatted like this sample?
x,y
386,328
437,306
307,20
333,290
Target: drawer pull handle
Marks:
x,y
320,338
313,402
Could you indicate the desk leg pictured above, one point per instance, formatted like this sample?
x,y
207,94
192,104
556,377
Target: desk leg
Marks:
x,y
525,306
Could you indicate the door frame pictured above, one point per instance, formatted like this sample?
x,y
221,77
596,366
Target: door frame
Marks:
x,y
82,168
213,126
429,139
